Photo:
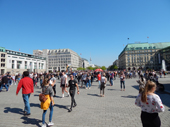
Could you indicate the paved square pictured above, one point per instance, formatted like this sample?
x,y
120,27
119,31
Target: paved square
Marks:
x,y
116,109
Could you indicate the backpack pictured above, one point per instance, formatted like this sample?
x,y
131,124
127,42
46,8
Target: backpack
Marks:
x,y
42,97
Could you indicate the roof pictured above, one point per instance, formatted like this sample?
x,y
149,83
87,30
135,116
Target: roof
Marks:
x,y
84,59
2,49
144,46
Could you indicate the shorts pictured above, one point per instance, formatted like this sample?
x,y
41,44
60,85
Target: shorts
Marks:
x,y
63,85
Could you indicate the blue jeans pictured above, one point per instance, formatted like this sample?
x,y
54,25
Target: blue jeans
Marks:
x,y
111,81
5,87
41,81
88,83
99,83
44,113
122,82
26,102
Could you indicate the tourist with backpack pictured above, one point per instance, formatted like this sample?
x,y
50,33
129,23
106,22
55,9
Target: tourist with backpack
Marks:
x,y
47,90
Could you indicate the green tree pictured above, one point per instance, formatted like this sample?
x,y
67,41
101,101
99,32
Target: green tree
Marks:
x,y
89,68
115,67
79,68
103,68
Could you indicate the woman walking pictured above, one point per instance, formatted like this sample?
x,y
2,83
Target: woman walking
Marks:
x,y
122,80
49,103
102,86
88,81
150,104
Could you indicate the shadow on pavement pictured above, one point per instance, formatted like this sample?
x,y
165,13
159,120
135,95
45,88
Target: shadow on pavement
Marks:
x,y
114,89
38,91
94,95
35,105
32,121
13,110
136,87
36,94
61,106
129,96
57,96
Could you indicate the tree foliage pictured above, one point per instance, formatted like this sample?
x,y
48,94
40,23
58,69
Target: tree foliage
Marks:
x,y
112,67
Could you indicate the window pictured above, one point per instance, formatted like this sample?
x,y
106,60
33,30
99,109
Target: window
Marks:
x,y
35,65
19,64
2,55
12,64
2,65
2,60
25,64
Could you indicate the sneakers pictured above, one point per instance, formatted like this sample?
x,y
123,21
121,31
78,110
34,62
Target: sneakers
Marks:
x,y
27,115
50,124
86,88
62,95
89,87
68,94
69,110
43,125
74,105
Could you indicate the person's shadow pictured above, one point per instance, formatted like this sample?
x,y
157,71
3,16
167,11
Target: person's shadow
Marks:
x,y
93,95
61,106
32,121
13,110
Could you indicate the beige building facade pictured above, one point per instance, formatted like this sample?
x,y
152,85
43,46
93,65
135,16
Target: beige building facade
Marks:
x,y
59,59
141,56
3,61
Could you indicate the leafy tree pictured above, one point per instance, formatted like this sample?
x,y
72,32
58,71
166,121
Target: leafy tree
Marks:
x,y
80,68
103,68
115,67
89,68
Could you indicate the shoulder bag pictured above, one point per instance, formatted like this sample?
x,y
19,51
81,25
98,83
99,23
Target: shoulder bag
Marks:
x,y
42,97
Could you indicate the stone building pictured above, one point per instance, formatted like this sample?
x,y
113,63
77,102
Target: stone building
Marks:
x,y
58,59
141,56
3,60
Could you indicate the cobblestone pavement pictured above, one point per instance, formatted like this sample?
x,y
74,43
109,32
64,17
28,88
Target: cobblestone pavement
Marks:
x,y
116,109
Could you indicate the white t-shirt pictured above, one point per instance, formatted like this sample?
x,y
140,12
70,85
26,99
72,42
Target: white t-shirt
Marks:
x,y
153,104
103,79
63,78
13,77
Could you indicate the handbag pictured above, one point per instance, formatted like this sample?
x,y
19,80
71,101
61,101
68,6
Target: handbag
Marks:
x,y
42,97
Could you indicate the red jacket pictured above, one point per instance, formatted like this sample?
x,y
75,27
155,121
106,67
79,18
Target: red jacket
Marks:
x,y
27,86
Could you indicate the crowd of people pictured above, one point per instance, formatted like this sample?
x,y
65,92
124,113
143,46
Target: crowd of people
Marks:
x,y
149,102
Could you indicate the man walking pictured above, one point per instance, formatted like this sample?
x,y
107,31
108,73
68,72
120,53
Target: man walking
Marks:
x,y
53,79
64,83
72,84
99,78
27,86
4,82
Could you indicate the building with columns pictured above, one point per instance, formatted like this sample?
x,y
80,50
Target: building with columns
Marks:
x,y
85,63
18,62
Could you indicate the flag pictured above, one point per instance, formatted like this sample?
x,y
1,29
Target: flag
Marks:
x,y
147,37
80,54
90,58
19,49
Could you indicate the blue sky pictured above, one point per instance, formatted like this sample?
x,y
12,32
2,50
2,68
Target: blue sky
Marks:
x,y
96,27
